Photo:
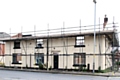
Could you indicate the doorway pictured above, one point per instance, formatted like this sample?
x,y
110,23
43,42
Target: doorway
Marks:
x,y
56,61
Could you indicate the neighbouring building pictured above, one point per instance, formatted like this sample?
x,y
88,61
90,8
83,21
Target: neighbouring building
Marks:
x,y
2,46
60,51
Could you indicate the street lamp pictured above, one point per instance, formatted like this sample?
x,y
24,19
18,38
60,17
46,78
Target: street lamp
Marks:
x,y
94,35
94,1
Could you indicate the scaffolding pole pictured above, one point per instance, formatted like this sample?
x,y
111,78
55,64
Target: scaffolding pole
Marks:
x,y
51,56
63,42
99,45
10,46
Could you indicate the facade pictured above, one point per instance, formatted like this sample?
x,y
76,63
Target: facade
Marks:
x,y
2,52
68,51
2,46
2,49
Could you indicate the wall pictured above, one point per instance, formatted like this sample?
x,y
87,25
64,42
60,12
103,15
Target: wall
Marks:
x,y
2,52
89,43
56,46
27,47
2,48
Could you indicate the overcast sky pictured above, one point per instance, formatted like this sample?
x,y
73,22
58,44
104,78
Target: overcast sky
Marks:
x,y
15,14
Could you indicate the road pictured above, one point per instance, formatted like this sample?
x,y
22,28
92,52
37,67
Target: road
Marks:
x,y
16,75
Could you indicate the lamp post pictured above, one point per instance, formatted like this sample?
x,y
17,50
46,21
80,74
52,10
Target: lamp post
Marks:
x,y
47,48
94,35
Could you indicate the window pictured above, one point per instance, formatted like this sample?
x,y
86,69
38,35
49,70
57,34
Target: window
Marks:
x,y
80,41
16,58
39,43
39,58
17,45
79,59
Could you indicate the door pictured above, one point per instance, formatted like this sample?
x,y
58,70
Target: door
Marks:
x,y
56,61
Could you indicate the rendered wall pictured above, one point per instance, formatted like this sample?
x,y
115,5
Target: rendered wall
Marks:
x,y
56,46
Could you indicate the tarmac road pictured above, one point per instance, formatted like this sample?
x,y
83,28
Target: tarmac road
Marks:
x,y
19,75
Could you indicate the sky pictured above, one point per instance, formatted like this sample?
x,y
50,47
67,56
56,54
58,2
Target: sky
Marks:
x,y
23,15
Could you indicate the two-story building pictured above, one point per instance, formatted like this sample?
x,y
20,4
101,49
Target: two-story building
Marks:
x,y
60,51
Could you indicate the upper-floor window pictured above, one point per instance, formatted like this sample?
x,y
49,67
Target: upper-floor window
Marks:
x,y
80,41
39,43
16,44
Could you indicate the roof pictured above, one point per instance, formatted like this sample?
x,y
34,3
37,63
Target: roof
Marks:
x,y
110,34
72,34
4,35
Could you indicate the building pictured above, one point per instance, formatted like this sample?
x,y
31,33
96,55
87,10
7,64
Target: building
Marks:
x,y
2,46
60,51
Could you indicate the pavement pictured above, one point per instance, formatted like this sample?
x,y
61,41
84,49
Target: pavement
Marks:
x,y
109,74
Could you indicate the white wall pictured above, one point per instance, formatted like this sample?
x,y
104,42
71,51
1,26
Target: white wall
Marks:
x,y
56,46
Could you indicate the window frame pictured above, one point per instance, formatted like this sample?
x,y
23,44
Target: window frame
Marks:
x,y
16,45
78,55
39,55
16,60
80,39
39,43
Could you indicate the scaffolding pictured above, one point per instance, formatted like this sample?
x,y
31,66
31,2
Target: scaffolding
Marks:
x,y
65,34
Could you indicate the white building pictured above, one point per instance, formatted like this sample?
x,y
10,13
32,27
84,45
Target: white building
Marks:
x,y
64,51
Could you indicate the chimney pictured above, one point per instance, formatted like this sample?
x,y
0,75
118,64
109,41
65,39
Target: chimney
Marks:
x,y
17,35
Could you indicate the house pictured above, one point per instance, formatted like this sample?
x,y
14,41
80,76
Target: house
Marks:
x,y
2,46
60,51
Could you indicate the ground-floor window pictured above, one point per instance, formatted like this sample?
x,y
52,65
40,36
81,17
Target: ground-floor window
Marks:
x,y
39,58
16,58
79,59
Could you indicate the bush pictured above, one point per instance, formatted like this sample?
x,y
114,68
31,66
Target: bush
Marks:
x,y
26,65
50,67
84,70
99,69
117,63
104,71
44,65
40,66
2,64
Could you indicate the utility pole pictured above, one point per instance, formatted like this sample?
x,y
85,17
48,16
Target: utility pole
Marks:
x,y
48,47
94,35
